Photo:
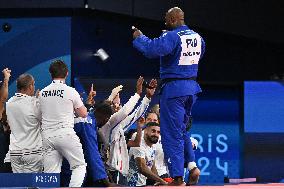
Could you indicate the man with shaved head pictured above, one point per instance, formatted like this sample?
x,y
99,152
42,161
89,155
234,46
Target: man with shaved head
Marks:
x,y
179,50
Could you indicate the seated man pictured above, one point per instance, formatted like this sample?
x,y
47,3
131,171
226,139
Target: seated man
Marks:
x,y
159,154
142,164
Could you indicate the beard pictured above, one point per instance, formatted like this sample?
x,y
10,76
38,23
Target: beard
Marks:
x,y
153,139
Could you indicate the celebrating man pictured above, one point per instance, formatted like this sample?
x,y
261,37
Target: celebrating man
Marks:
x,y
180,50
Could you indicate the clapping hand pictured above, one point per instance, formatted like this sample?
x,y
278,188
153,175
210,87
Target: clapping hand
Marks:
x,y
152,88
139,85
7,73
114,92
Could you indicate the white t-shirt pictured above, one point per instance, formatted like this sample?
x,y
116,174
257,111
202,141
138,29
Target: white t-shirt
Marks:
x,y
159,155
146,152
160,159
24,118
57,104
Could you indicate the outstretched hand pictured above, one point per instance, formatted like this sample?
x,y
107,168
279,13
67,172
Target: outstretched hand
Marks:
x,y
115,92
150,91
139,85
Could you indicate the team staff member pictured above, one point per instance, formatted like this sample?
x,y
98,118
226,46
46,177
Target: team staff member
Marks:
x,y
23,115
58,102
179,50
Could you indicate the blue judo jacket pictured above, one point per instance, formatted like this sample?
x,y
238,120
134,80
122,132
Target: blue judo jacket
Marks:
x,y
179,51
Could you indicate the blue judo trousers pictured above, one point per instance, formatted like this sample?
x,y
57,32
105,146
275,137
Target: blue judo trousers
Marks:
x,y
180,51
175,114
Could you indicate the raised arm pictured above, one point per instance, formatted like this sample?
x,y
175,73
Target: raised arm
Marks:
x,y
128,107
138,135
4,89
136,114
153,48
142,108
115,91
90,102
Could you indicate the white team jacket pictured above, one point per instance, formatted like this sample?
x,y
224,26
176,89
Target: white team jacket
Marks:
x,y
112,133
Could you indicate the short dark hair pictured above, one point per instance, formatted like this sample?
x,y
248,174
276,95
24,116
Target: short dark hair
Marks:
x,y
58,69
24,81
150,124
104,108
152,112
